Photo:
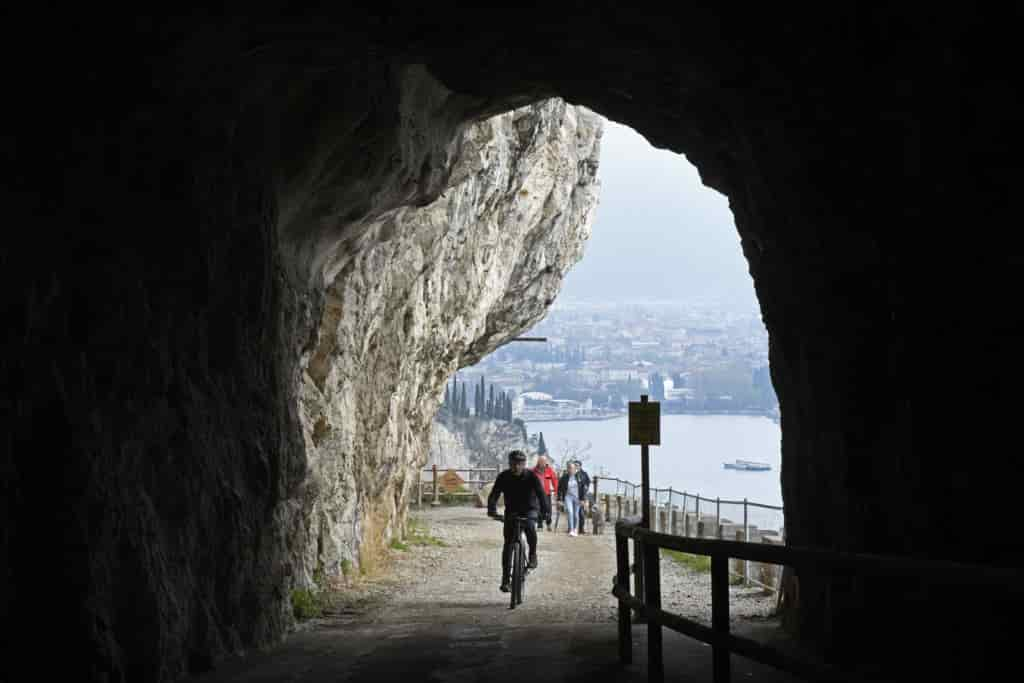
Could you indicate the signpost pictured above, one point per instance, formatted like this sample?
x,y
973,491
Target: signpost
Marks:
x,y
645,431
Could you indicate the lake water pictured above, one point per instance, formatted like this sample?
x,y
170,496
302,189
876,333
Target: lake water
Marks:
x,y
690,457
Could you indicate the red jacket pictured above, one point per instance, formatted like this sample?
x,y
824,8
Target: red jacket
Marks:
x,y
549,478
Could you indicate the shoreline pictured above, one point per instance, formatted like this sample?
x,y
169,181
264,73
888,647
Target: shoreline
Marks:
x,y
601,418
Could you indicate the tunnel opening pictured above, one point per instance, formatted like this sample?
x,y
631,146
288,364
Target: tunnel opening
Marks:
x,y
663,259
167,300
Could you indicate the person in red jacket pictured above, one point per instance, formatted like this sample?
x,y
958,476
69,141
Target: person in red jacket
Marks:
x,y
549,478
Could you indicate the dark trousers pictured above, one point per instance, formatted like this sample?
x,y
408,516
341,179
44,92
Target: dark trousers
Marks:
x,y
553,503
530,527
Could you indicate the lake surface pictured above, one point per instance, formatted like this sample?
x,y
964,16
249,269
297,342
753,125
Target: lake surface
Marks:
x,y
690,457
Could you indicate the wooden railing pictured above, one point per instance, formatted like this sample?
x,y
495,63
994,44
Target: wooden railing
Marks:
x,y
646,552
619,499
474,478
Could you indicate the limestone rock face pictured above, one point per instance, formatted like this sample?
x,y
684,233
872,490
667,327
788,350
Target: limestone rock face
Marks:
x,y
423,291
469,442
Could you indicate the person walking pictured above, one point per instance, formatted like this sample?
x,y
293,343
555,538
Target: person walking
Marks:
x,y
586,498
569,491
549,478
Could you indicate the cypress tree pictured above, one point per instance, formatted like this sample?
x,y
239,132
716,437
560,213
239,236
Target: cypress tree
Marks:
x,y
542,448
476,400
483,396
447,396
463,407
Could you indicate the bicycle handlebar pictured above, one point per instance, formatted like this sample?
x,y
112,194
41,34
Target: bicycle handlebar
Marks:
x,y
501,518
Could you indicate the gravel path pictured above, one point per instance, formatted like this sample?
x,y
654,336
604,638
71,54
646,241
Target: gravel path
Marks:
x,y
458,583
437,615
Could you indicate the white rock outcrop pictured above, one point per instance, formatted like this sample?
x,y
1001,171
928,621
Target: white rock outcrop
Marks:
x,y
470,442
419,292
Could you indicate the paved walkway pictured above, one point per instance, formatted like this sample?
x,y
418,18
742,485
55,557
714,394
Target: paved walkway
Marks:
x,y
438,616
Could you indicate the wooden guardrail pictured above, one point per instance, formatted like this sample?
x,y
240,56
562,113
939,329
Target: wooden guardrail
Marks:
x,y
646,550
620,498
475,478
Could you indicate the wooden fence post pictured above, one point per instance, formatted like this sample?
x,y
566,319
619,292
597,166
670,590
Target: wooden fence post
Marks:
x,y
652,593
622,579
671,523
638,577
741,565
720,616
746,539
437,501
718,517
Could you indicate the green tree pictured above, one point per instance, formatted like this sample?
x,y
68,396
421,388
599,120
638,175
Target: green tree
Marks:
x,y
542,448
482,409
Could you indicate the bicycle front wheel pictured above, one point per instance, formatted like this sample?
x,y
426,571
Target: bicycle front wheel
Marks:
x,y
517,571
520,581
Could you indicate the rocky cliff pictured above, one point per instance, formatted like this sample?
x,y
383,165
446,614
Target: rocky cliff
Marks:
x,y
470,442
424,291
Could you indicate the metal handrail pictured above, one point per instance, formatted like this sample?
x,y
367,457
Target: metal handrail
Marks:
x,y
694,496
647,545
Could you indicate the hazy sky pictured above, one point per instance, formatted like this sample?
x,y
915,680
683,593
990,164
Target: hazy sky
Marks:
x,y
658,232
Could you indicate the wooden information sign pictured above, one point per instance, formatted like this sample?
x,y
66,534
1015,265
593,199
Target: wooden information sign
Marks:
x,y
451,481
644,423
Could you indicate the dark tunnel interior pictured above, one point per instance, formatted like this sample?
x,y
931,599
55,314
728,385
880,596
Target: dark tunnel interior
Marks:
x,y
187,187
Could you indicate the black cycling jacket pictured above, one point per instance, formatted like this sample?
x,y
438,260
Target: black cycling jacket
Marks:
x,y
524,495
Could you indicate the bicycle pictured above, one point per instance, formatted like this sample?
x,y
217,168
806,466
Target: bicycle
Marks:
x,y
519,564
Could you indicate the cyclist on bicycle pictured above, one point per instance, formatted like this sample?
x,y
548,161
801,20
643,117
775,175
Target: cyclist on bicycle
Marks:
x,y
524,497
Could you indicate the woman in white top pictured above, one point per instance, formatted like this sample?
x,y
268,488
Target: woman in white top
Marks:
x,y
570,491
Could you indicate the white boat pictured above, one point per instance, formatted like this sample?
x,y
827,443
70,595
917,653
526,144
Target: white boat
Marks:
x,y
747,465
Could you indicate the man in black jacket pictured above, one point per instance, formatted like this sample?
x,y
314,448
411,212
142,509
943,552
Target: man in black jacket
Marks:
x,y
524,496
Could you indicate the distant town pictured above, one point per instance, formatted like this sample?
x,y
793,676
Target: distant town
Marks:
x,y
692,357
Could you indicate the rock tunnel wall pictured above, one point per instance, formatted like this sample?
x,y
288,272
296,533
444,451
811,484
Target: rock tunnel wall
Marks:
x,y
425,290
185,181
245,340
